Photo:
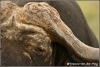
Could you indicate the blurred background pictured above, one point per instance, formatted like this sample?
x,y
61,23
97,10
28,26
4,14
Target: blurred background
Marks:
x,y
90,10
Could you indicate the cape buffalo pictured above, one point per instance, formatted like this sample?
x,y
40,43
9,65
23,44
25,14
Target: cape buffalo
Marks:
x,y
27,42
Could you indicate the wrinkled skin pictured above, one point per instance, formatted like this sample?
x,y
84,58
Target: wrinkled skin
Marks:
x,y
15,52
52,53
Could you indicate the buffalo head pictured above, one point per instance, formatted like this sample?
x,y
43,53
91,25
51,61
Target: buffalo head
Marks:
x,y
28,33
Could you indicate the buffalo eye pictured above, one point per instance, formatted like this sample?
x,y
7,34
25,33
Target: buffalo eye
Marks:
x,y
36,42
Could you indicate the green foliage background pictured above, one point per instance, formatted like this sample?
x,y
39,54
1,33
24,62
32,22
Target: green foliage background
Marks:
x,y
91,13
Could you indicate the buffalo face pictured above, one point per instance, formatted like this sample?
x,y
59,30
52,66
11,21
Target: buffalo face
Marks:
x,y
28,34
